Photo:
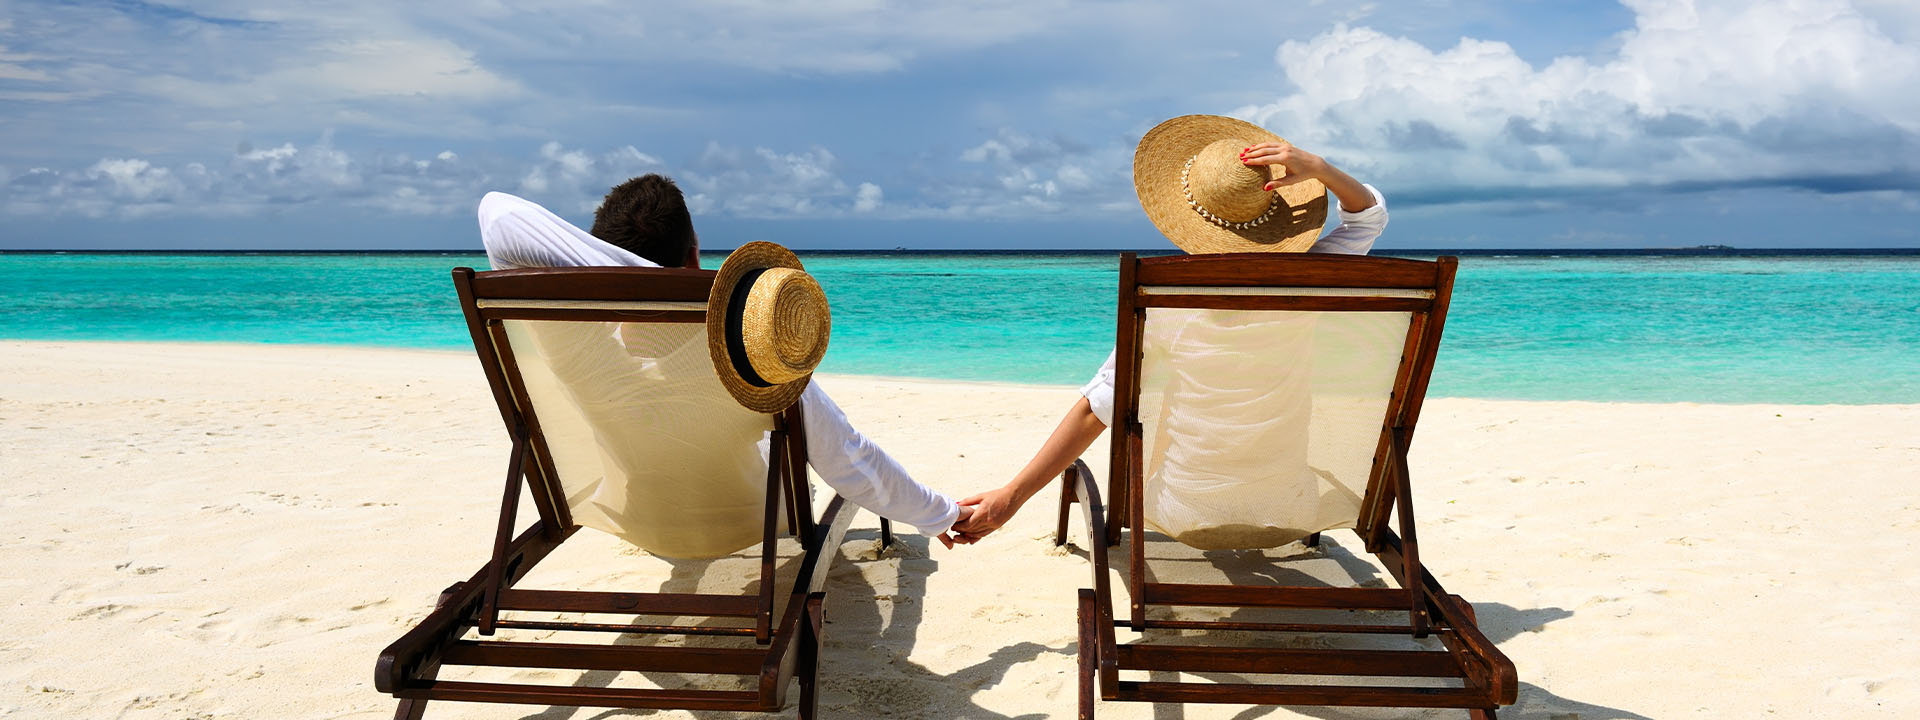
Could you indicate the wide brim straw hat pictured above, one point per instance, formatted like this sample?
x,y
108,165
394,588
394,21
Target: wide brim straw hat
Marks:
x,y
1197,192
767,326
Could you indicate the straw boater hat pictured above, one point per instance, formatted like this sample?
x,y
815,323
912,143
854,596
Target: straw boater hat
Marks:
x,y
1194,188
767,326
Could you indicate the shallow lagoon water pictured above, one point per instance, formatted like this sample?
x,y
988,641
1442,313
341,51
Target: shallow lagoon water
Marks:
x,y
1643,328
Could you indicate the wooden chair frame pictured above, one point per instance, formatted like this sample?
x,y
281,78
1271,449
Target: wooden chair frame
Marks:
x,y
786,645
1487,677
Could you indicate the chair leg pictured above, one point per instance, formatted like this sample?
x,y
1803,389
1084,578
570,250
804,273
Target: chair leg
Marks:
x,y
1313,540
886,533
410,710
1067,499
1089,649
809,670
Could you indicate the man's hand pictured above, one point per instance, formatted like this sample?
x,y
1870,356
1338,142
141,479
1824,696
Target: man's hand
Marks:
x,y
991,509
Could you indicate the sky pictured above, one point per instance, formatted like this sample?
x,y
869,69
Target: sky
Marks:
x,y
850,124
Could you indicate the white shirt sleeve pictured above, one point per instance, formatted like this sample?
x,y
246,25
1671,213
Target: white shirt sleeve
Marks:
x,y
1357,230
1099,392
865,475
521,234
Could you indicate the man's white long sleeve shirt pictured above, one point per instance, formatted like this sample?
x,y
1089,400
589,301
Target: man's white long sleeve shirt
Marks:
x,y
518,233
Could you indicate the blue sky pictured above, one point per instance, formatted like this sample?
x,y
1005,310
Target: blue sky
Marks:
x,y
870,123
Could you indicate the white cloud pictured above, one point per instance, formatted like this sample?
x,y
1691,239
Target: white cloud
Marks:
x,y
868,198
1022,175
763,183
1702,92
757,182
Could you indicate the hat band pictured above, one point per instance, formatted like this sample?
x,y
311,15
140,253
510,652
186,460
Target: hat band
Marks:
x,y
1215,219
736,340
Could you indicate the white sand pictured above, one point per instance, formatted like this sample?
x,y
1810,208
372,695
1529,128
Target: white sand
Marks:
x,y
236,531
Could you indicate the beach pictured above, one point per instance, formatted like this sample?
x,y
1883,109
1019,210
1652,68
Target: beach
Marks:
x,y
235,530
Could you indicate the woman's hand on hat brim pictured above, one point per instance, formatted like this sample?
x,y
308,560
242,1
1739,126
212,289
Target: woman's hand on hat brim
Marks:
x,y
1300,165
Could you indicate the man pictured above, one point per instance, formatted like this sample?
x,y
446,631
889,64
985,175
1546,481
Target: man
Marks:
x,y
1363,216
644,222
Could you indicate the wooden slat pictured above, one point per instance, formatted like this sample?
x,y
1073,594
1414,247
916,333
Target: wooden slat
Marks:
x,y
1088,653
1288,661
769,532
1275,290
1330,628
1291,303
1343,695
1464,636
574,656
413,652
1413,577
822,547
624,628
1340,598
1126,391
1248,269
1436,322
619,305
503,536
483,346
594,315
543,478
1377,502
629,603
1097,619
576,696
612,283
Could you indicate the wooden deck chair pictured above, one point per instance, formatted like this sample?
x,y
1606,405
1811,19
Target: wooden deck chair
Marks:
x,y
528,327
1342,351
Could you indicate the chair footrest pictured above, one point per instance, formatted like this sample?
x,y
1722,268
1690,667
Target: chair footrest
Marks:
x,y
1347,695
576,656
1227,625
1331,598
1192,658
630,603
586,696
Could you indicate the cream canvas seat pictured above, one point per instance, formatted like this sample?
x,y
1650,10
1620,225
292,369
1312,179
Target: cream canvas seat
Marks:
x,y
1259,400
617,421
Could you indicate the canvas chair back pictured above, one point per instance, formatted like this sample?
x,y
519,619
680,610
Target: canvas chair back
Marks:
x,y
1266,389
636,436
1259,425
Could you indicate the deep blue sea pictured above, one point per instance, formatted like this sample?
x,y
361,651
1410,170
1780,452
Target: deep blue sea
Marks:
x,y
1648,328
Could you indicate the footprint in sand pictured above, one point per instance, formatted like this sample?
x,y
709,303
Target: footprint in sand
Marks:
x,y
100,611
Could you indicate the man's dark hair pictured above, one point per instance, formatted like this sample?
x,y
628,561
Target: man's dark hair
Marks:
x,y
648,217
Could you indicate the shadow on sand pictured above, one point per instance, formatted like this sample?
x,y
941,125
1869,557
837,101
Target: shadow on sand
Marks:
x,y
1281,566
858,616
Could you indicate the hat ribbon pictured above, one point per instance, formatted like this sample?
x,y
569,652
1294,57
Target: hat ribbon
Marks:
x,y
736,340
1215,219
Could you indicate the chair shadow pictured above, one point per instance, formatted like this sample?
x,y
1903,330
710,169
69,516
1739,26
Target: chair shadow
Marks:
x,y
683,577
855,620
1499,622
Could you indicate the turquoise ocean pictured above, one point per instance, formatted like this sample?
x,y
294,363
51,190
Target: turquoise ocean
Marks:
x,y
1643,327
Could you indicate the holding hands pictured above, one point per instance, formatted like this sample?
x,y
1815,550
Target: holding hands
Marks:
x,y
953,534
